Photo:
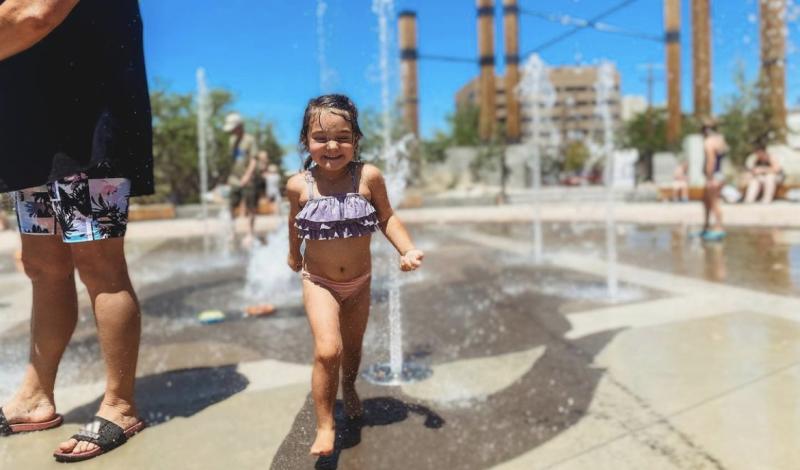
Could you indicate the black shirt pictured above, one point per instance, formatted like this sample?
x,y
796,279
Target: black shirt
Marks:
x,y
78,99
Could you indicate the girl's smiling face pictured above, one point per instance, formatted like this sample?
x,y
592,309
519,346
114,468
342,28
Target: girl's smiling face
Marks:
x,y
331,141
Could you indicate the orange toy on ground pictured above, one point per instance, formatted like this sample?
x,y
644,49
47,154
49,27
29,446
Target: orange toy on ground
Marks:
x,y
260,310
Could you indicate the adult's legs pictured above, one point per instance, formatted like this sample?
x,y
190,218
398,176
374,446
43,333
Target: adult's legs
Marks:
x,y
676,191
251,222
716,206
753,188
251,208
770,184
103,269
354,318
54,314
708,194
323,316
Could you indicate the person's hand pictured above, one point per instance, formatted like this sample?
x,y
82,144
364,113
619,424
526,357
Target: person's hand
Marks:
x,y
295,261
411,260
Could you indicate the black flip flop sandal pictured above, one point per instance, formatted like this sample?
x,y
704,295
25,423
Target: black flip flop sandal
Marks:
x,y
101,432
7,429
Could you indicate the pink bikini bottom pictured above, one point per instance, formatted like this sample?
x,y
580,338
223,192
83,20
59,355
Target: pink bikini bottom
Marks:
x,y
342,290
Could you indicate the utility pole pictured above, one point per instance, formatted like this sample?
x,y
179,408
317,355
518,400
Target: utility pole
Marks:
x,y
646,158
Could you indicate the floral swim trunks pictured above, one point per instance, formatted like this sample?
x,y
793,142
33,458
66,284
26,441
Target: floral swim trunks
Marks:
x,y
82,208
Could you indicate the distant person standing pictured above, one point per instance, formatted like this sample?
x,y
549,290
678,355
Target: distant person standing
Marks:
x,y
244,176
715,150
273,181
75,145
262,166
764,176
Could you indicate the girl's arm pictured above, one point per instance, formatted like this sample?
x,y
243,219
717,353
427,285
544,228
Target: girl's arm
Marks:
x,y
294,188
391,225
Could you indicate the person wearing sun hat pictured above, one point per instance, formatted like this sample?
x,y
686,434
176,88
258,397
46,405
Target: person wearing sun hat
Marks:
x,y
243,178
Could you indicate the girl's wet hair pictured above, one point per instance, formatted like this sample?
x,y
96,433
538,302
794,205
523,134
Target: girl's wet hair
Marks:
x,y
340,105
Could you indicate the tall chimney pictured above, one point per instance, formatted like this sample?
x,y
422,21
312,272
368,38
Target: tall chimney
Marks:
x,y
672,17
701,57
487,90
773,61
511,31
408,70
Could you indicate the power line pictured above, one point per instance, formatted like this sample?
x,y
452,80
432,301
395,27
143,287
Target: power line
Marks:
x,y
571,32
579,23
442,58
568,20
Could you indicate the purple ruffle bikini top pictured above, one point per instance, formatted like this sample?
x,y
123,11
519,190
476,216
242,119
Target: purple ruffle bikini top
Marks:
x,y
343,215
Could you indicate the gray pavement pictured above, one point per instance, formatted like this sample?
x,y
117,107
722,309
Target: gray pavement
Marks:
x,y
696,366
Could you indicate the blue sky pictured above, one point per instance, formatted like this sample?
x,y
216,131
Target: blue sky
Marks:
x,y
265,51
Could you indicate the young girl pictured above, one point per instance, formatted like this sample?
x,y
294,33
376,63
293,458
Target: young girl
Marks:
x,y
335,206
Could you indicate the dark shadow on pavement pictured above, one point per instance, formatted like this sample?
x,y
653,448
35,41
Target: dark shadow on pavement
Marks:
x,y
178,393
379,411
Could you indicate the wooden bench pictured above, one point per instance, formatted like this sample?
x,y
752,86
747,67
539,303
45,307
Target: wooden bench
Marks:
x,y
696,192
151,212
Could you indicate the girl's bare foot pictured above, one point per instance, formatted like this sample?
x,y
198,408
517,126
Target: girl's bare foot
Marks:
x,y
352,403
323,444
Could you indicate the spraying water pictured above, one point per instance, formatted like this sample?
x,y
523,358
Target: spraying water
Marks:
x,y
396,166
384,9
203,136
269,278
605,87
325,74
396,173
538,96
224,236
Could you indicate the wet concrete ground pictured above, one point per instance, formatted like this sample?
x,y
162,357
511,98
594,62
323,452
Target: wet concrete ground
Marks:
x,y
696,366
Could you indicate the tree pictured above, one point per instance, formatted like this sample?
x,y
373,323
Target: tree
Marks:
x,y
371,123
464,125
746,118
264,133
462,131
175,151
175,143
647,133
575,156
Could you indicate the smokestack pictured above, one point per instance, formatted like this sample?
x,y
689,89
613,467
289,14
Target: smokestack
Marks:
x,y
486,60
672,17
773,62
511,30
408,70
701,57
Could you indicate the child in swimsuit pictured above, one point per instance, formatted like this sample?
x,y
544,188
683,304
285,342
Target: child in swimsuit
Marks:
x,y
715,149
335,206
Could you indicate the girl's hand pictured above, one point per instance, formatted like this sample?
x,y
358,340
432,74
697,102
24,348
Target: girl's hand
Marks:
x,y
295,261
411,260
